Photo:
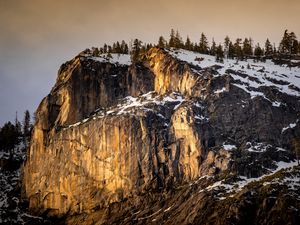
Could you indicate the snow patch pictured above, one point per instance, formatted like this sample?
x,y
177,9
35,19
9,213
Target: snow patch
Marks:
x,y
290,126
121,59
228,147
276,104
237,186
143,102
220,90
257,147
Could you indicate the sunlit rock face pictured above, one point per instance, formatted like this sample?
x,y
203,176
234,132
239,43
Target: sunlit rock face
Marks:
x,y
170,74
110,131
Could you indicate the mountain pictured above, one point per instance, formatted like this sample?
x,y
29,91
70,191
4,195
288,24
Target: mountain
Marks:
x,y
174,138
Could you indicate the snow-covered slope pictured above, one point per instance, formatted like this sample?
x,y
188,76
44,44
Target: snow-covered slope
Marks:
x,y
249,74
129,105
121,59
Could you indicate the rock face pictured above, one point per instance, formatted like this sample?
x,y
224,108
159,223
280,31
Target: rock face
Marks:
x,y
109,132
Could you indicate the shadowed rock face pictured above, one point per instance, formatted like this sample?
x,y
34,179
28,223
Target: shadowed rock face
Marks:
x,y
93,147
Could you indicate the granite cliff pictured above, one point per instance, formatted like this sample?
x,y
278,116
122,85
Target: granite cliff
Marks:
x,y
174,138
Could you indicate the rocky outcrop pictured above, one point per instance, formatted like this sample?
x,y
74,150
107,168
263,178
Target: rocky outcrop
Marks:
x,y
170,75
260,202
109,132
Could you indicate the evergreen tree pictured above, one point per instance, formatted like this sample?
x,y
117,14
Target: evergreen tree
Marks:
x,y
118,48
18,125
219,53
258,52
293,43
95,52
9,138
149,46
268,48
287,43
231,50
226,46
172,39
143,50
136,50
113,49
26,128
295,47
124,47
203,44
162,42
105,48
238,51
188,44
196,47
213,48
274,49
178,40
109,49
247,47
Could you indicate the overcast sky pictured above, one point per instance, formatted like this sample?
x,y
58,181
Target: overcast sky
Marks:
x,y
37,36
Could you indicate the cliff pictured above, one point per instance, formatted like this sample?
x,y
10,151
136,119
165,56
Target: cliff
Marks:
x,y
113,135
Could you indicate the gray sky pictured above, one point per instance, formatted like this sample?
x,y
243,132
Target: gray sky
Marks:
x,y
37,36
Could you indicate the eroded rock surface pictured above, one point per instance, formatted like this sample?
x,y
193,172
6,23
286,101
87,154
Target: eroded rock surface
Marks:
x,y
109,133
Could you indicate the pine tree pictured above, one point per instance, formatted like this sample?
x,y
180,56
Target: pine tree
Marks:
x,y
226,46
161,42
26,128
293,43
238,49
113,49
178,40
219,53
268,48
287,43
149,46
258,52
203,44
196,47
274,49
295,47
188,44
18,124
247,47
105,48
213,48
172,39
124,47
136,50
231,50
118,48
95,51
9,138
18,127
109,49
143,49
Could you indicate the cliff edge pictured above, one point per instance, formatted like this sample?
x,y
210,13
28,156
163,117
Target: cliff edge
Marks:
x,y
113,135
